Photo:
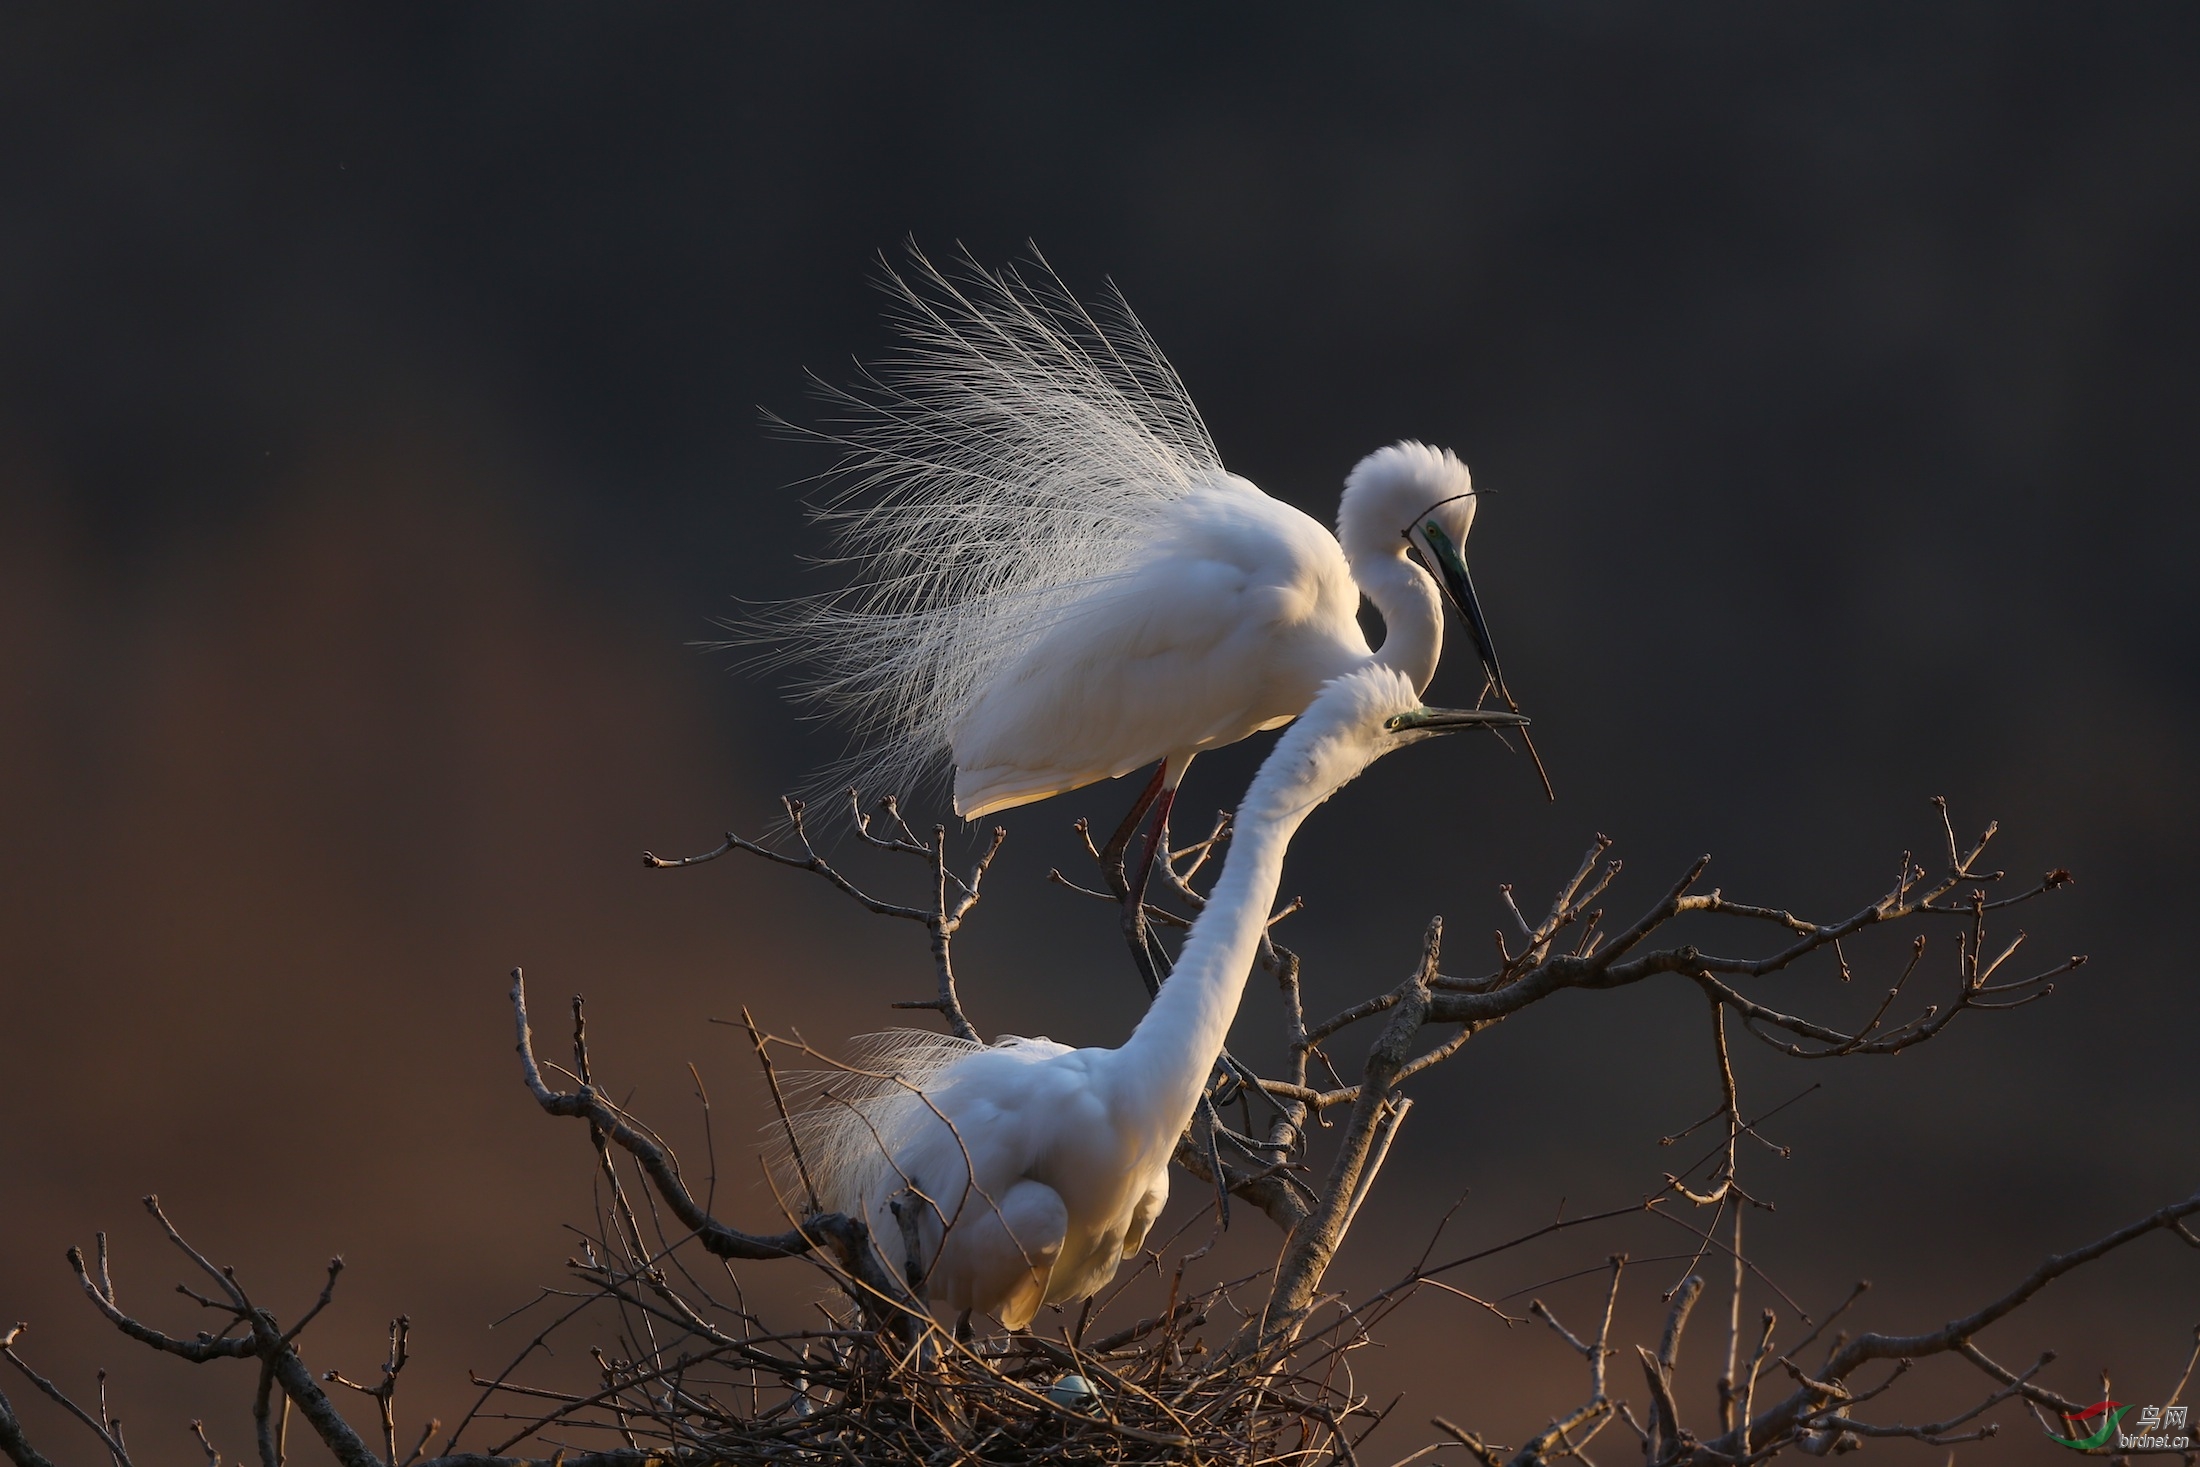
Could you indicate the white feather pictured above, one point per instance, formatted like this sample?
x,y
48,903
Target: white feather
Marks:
x,y
848,1121
1009,459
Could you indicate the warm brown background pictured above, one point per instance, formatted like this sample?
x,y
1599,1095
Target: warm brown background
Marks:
x,y
376,426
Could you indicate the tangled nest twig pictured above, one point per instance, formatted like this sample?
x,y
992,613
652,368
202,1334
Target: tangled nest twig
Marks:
x,y
1151,1391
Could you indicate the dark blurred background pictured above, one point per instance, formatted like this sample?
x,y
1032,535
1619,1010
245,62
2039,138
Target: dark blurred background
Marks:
x,y
378,426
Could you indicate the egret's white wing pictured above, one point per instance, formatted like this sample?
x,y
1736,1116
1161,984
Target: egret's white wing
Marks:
x,y
1002,467
1239,610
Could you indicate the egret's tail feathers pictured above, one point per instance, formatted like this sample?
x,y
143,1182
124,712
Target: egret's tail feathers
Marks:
x,y
1007,458
848,1122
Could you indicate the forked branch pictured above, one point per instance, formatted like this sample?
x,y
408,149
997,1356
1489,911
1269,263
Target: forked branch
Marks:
x,y
953,894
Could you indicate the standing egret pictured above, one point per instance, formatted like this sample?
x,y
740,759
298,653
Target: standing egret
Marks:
x,y
1058,582
1002,1178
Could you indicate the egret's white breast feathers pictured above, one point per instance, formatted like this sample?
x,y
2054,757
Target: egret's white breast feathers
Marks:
x,y
1015,450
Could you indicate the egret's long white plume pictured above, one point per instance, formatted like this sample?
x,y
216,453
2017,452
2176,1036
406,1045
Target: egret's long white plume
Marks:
x,y
848,1122
1011,454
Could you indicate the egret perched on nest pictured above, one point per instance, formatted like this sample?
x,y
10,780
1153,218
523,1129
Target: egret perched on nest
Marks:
x,y
1057,580
1005,1177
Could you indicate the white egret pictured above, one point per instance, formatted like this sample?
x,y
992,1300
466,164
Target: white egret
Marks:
x,y
1057,580
1005,1177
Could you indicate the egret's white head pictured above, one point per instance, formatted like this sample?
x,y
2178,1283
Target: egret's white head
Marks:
x,y
1356,719
1411,497
1394,490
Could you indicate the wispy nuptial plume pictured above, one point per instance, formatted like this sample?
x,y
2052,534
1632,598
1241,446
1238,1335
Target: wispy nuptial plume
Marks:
x,y
1009,456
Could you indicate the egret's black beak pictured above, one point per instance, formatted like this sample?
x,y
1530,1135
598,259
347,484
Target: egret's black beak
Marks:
x,y
1452,720
1451,568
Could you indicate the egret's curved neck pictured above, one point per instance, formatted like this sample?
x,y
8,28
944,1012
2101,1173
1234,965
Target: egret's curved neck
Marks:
x,y
1166,1061
1413,615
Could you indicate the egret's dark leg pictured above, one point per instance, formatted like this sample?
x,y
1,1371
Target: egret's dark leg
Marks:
x,y
1157,843
962,1327
1133,897
1120,842
1156,840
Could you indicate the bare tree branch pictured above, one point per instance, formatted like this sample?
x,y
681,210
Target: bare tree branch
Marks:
x,y
953,895
850,1238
